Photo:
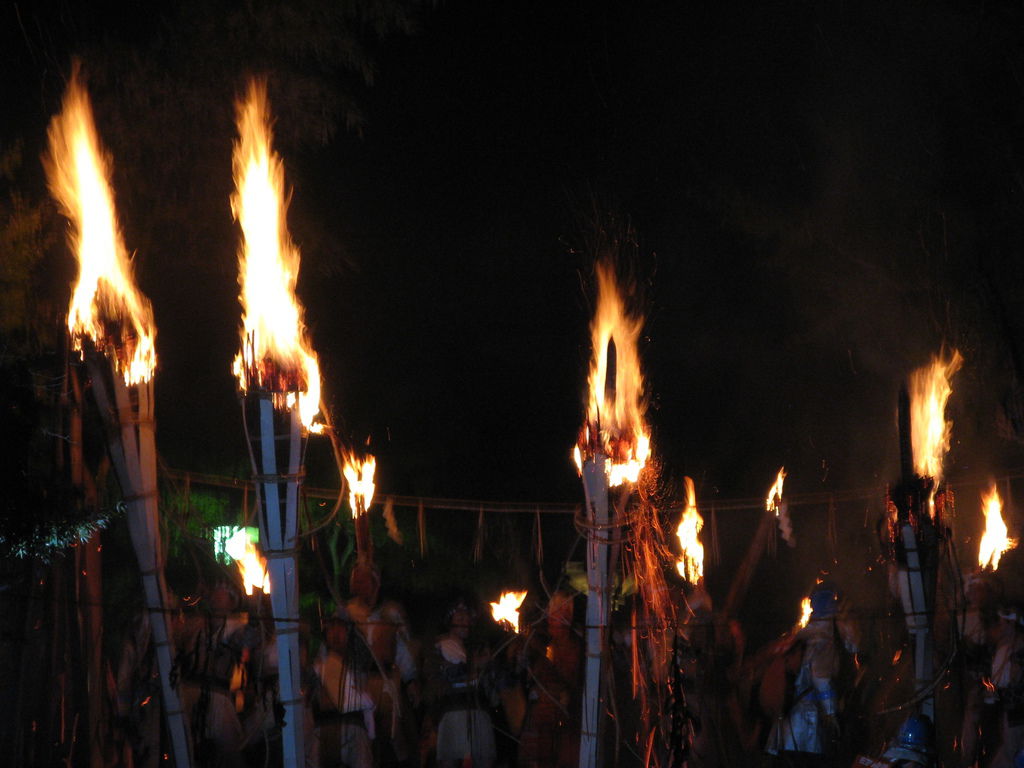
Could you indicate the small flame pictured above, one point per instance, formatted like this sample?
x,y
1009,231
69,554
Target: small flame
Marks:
x,y
805,612
105,304
691,561
994,542
506,610
276,353
775,494
251,564
930,432
359,476
615,419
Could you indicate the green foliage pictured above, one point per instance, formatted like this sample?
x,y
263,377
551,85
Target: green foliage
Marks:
x,y
52,539
27,232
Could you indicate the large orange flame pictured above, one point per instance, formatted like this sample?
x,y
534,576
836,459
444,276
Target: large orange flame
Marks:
x,y
251,564
691,560
506,610
930,432
615,409
994,542
105,306
774,499
359,476
276,353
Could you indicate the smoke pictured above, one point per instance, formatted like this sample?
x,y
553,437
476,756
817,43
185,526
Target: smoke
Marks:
x,y
786,525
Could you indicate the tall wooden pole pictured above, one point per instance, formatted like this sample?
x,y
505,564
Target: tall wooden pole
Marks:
x,y
279,501
131,435
916,571
595,487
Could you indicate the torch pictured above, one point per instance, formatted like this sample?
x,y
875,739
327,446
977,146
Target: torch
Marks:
x,y
612,449
280,380
109,318
995,540
359,476
924,440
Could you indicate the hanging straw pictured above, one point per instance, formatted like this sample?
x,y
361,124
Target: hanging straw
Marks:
x,y
421,521
478,545
538,539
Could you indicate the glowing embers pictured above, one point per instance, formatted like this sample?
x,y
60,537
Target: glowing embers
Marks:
x,y
994,541
691,559
276,354
506,610
105,305
614,426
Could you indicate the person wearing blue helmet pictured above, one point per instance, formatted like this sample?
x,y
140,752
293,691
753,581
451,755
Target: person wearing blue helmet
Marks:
x,y
808,733
914,745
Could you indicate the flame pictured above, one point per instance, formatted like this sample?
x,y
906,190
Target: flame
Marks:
x,y
930,432
276,354
994,542
615,424
359,476
506,610
105,304
251,564
691,561
775,494
805,612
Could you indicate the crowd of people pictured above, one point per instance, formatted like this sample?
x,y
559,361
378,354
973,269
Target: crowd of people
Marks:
x,y
376,695
373,694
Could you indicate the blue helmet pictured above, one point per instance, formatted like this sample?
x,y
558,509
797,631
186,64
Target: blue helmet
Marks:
x,y
824,603
914,741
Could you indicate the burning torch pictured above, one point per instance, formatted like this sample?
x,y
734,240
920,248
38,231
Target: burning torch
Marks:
x,y
917,523
280,381
359,476
109,318
612,449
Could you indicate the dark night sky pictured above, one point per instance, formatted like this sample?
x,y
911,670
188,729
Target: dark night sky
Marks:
x,y
822,196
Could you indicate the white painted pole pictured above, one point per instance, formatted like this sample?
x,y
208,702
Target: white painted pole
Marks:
x,y
918,616
278,540
595,486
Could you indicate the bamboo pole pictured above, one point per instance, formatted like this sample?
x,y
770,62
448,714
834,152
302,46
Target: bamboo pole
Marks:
x,y
88,570
279,539
595,486
132,442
